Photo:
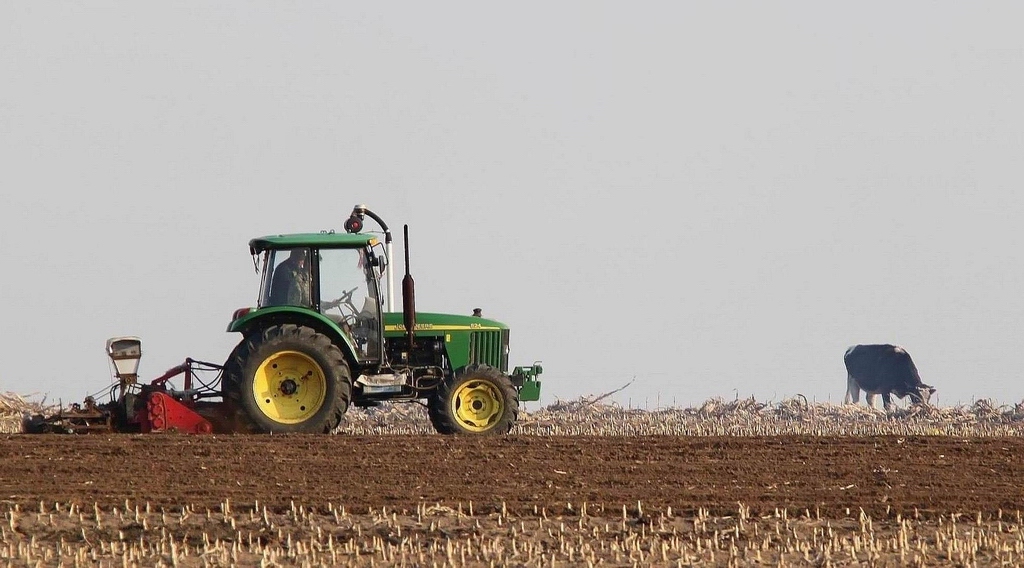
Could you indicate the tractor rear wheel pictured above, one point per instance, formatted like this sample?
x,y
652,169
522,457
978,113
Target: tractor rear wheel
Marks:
x,y
478,400
288,378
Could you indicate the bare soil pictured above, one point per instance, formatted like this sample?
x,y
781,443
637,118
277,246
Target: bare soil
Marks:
x,y
923,477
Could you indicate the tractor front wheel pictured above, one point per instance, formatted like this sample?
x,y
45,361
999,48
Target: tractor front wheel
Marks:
x,y
478,400
288,378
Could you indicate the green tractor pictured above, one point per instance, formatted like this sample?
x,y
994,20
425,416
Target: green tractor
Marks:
x,y
324,336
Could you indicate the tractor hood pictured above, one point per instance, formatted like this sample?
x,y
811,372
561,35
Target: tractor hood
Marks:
x,y
426,321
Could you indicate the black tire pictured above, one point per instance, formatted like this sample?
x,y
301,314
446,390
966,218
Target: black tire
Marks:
x,y
301,377
478,400
34,424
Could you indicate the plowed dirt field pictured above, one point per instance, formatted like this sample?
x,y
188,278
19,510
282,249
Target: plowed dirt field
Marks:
x,y
831,476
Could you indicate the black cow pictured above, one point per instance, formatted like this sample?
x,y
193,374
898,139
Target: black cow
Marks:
x,y
884,370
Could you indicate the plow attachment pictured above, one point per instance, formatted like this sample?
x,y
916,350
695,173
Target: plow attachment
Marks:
x,y
153,407
77,418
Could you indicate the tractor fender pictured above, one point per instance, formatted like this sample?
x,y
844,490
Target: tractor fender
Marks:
x,y
265,317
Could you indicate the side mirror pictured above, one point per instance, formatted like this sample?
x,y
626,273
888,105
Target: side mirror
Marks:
x,y
379,259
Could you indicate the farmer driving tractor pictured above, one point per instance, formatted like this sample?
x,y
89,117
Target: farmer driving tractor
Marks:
x,y
290,286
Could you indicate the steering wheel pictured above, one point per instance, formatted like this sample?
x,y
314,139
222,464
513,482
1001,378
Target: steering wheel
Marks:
x,y
344,301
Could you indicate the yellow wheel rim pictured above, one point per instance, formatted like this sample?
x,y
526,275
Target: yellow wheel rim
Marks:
x,y
477,405
289,387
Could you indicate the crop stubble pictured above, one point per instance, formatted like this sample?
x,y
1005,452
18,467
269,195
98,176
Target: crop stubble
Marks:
x,y
415,500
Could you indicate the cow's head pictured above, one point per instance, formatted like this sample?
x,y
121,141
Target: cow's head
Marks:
x,y
921,394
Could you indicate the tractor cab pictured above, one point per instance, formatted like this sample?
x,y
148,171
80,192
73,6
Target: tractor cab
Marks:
x,y
341,284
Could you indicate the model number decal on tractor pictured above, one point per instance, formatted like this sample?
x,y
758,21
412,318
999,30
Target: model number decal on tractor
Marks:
x,y
429,326
401,326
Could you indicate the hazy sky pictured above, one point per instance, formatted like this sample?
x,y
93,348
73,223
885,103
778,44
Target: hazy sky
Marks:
x,y
709,199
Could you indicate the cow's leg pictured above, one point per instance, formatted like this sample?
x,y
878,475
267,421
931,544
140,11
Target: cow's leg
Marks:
x,y
869,397
852,390
887,400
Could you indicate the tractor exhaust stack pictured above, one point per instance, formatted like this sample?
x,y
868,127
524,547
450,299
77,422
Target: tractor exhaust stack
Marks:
x,y
408,297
